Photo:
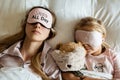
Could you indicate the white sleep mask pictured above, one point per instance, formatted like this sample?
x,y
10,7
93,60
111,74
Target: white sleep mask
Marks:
x,y
93,38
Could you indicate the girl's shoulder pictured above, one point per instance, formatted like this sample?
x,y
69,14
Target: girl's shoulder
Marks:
x,y
112,55
110,52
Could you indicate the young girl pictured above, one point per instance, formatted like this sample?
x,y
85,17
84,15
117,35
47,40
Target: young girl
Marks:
x,y
29,48
100,58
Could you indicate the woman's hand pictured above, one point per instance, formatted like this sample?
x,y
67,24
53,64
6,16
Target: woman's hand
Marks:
x,y
69,76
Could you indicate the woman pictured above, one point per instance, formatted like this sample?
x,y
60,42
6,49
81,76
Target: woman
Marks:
x,y
29,47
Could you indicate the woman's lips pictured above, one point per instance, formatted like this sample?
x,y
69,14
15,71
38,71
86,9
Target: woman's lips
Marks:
x,y
35,31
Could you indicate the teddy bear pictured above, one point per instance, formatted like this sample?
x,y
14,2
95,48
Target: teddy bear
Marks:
x,y
70,56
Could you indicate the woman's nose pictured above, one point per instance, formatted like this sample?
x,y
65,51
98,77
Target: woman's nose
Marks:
x,y
37,25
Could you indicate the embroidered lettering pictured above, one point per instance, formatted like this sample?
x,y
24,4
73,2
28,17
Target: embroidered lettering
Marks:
x,y
45,20
35,17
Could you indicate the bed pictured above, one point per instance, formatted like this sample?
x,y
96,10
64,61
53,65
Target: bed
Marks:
x,y
68,13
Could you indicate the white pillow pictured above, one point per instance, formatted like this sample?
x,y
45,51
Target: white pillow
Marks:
x,y
68,13
109,12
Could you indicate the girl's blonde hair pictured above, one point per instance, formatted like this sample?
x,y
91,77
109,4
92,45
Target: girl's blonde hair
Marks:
x,y
92,24
35,61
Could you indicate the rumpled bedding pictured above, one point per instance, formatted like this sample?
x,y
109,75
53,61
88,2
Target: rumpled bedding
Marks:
x,y
17,73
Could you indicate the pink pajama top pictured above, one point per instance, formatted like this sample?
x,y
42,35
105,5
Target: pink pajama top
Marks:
x,y
12,57
108,62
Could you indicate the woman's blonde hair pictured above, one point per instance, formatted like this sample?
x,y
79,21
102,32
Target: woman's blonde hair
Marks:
x,y
92,24
35,61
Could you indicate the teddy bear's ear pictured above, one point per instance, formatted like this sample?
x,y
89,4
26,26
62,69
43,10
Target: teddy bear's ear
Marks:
x,y
58,45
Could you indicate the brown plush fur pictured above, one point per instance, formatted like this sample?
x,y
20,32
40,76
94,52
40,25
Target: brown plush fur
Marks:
x,y
69,46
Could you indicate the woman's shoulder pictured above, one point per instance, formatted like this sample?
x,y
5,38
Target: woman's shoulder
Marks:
x,y
12,49
47,48
11,55
15,45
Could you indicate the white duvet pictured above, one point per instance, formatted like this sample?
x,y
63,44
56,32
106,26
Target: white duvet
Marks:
x,y
17,73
